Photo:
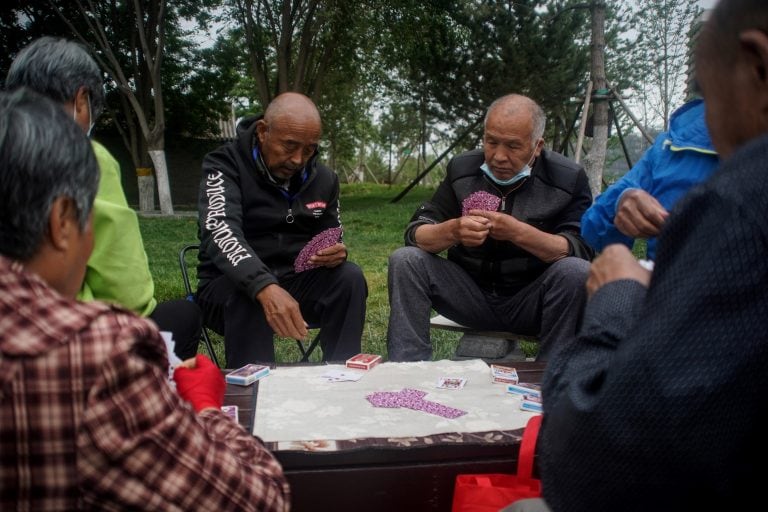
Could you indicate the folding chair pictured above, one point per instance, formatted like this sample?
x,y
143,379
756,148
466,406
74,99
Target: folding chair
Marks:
x,y
305,351
191,297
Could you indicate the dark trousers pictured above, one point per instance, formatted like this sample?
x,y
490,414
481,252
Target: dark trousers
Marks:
x,y
550,307
182,318
331,298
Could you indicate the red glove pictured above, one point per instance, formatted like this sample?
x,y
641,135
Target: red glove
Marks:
x,y
202,386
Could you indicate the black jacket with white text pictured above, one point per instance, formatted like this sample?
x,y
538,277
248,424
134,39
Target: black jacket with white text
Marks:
x,y
250,229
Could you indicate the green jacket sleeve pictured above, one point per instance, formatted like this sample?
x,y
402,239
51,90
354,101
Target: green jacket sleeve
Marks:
x,y
118,270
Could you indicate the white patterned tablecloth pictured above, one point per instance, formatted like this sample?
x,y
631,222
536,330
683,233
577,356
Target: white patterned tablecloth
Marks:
x,y
297,404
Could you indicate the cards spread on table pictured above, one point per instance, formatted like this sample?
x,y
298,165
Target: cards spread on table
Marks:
x,y
341,375
412,399
451,382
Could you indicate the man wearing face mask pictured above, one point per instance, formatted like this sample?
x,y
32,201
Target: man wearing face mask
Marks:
x,y
515,261
118,269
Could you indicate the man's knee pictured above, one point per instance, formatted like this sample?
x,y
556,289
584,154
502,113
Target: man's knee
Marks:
x,y
349,279
570,273
405,257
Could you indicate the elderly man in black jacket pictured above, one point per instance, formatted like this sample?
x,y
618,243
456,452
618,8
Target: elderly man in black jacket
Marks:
x,y
263,199
509,216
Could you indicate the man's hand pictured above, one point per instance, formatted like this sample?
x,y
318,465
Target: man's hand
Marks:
x,y
331,257
199,382
471,230
500,225
282,312
547,247
616,262
639,214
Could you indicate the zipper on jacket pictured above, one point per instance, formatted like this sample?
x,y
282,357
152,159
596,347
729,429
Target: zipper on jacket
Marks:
x,y
289,217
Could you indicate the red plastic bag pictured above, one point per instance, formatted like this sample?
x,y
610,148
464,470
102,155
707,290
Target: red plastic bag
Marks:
x,y
491,492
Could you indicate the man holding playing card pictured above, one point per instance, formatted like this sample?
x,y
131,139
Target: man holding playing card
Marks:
x,y
271,253
509,216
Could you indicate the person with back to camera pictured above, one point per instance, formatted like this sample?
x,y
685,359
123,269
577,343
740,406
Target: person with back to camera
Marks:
x,y
271,254
118,270
88,419
661,402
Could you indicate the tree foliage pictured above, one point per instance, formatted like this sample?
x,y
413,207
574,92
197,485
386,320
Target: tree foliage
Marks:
x,y
663,28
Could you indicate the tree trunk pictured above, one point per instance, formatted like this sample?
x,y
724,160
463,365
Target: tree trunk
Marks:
x,y
595,160
146,184
163,188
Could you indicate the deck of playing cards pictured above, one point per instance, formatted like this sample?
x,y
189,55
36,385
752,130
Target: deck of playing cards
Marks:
x,y
363,361
524,389
531,403
247,375
503,374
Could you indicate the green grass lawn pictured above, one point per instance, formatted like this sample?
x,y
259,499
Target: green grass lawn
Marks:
x,y
373,228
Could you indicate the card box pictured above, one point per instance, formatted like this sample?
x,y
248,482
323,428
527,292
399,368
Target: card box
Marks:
x,y
231,411
363,361
531,403
524,389
503,374
248,374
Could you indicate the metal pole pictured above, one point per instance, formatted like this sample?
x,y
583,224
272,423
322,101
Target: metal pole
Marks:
x,y
437,160
583,125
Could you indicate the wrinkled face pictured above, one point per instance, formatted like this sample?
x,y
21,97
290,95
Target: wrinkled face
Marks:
x,y
287,143
508,144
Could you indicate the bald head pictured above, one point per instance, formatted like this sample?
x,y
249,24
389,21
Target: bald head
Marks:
x,y
519,106
288,134
292,105
732,71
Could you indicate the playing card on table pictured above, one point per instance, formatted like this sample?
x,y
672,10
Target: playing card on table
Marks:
x,y
341,375
451,382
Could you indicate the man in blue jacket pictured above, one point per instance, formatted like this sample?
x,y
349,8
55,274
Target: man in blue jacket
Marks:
x,y
637,205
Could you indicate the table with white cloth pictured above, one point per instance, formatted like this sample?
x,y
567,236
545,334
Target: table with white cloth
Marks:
x,y
340,452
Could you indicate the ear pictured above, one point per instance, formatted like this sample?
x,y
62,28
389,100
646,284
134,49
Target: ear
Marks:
x,y
81,108
62,224
754,44
261,130
539,147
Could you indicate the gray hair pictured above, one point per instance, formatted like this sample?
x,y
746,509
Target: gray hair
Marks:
x,y
57,68
512,103
44,155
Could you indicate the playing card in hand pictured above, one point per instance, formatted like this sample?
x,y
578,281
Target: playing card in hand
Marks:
x,y
480,200
320,241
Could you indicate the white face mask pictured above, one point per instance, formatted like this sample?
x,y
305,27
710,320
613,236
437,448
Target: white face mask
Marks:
x,y
522,174
90,117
